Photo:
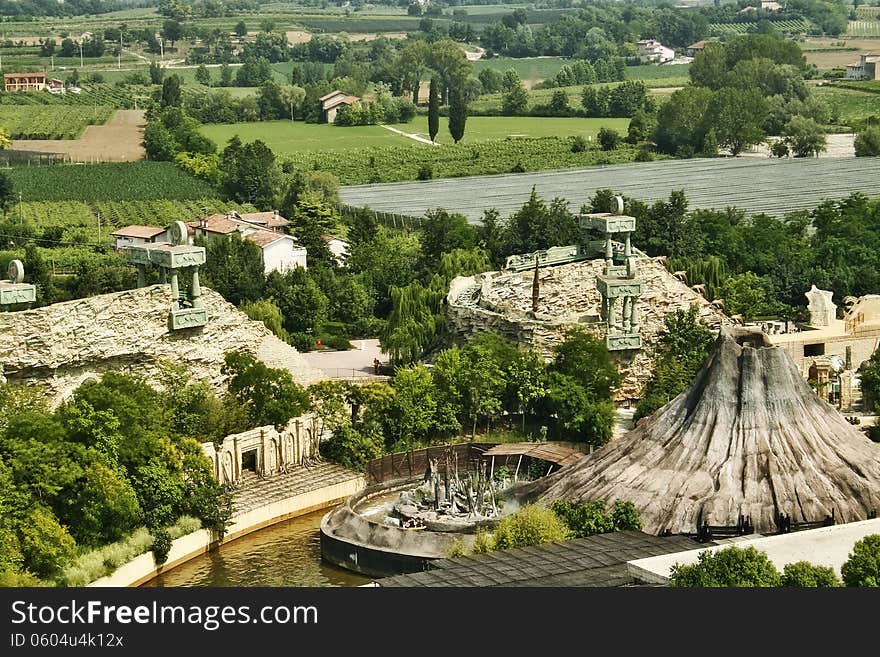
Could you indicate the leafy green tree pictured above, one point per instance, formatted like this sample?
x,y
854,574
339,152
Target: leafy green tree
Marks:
x,y
171,95
682,347
526,378
608,139
415,404
862,567
156,73
255,72
457,113
389,260
709,66
269,395
730,567
434,108
302,302
491,79
441,232
45,544
203,75
559,103
681,121
7,192
250,173
746,295
266,311
591,518
595,101
515,101
737,116
805,574
869,373
160,493
225,75
240,29
867,144
234,268
415,322
102,507
805,137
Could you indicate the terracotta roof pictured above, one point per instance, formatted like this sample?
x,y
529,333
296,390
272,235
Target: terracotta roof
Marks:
x,y
335,92
264,238
143,232
23,75
340,100
270,219
699,45
216,223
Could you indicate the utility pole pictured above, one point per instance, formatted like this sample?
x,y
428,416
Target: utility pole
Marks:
x,y
119,57
99,227
80,53
20,214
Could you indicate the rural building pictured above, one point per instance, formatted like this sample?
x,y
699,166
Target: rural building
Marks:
x,y
765,5
24,81
338,247
694,48
279,251
651,50
865,69
331,103
136,235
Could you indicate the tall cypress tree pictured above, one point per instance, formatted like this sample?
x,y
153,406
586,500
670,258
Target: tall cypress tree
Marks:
x,y
457,112
433,109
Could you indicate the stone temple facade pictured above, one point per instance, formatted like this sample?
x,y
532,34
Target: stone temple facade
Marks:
x,y
501,302
65,344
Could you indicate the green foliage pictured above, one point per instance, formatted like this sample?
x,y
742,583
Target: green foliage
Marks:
x,y
50,121
608,139
805,574
590,518
265,310
45,544
531,525
805,137
352,448
161,546
730,567
515,101
457,113
268,395
682,347
862,567
250,173
434,108
867,142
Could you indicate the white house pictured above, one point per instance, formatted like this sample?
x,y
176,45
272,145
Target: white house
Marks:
x,y
338,247
279,251
651,50
136,235
865,69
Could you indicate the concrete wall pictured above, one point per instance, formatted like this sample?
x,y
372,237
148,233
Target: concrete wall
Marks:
x,y
143,568
283,255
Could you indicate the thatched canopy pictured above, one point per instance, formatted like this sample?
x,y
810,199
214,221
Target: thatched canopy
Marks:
x,y
750,437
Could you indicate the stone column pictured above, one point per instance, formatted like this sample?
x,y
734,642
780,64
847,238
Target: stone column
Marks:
x,y
624,314
634,315
612,320
175,290
142,275
609,253
196,292
603,312
627,246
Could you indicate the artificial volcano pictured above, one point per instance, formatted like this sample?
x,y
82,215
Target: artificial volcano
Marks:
x,y
748,438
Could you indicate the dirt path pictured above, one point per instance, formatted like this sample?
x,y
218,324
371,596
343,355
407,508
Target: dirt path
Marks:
x,y
117,141
411,136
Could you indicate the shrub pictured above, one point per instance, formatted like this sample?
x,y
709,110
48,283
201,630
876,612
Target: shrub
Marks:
x,y
425,172
608,139
730,567
862,568
531,525
779,148
483,542
644,155
867,142
805,574
352,448
578,144
161,545
457,549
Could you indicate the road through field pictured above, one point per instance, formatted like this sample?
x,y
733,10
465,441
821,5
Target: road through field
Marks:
x,y
117,141
753,184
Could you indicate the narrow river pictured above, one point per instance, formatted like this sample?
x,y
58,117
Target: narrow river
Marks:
x,y
286,554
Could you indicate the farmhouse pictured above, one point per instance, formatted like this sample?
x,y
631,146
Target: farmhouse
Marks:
x,y
651,50
24,81
765,5
694,48
865,69
278,251
136,235
331,103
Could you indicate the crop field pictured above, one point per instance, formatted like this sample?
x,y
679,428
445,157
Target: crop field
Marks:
x,y
297,136
864,28
481,128
766,185
51,121
787,27
108,182
395,163
93,94
529,68
79,221
650,72
850,106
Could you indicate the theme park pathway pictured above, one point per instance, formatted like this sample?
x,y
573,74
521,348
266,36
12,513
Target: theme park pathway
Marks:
x,y
753,184
254,491
354,363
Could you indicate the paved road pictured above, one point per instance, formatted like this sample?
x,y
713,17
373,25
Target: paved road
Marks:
x,y
753,184
347,364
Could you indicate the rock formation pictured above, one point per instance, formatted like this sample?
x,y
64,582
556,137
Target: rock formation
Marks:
x,y
66,343
748,438
502,302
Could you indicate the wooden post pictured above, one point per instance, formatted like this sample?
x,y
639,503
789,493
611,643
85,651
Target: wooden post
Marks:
x,y
518,463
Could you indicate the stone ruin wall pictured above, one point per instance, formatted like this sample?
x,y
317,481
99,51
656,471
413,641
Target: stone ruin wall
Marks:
x,y
501,302
67,343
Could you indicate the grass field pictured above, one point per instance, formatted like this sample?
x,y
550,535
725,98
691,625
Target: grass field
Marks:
x,y
482,128
529,68
491,103
851,106
107,182
297,136
50,121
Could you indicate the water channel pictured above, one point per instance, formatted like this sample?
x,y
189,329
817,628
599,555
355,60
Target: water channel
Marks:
x,y
286,554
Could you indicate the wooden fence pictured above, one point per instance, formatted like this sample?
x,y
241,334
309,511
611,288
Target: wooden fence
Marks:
x,y
466,456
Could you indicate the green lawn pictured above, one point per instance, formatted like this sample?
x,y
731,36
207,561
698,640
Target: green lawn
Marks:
x,y
297,136
483,128
529,68
848,104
